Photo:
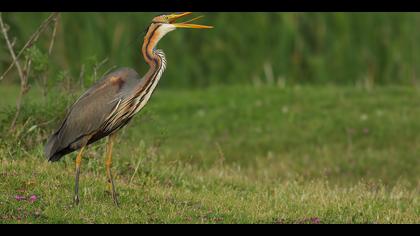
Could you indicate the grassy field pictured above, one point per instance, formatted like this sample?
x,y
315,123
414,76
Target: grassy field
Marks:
x,y
227,155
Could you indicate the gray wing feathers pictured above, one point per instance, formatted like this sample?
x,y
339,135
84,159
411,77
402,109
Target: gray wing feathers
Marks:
x,y
89,113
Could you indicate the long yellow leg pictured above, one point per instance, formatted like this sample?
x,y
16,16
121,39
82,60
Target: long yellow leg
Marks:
x,y
78,163
108,164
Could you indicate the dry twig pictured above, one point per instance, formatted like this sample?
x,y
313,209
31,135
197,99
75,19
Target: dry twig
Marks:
x,y
10,47
24,73
34,37
23,76
45,76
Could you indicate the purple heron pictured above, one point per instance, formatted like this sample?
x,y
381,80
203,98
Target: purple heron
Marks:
x,y
112,102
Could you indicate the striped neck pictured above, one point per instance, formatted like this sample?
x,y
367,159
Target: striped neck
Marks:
x,y
151,39
149,53
126,108
157,62
155,58
146,89
157,67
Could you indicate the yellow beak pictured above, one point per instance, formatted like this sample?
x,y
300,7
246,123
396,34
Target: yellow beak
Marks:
x,y
173,17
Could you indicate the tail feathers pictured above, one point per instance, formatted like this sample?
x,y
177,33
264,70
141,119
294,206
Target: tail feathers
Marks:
x,y
52,149
55,157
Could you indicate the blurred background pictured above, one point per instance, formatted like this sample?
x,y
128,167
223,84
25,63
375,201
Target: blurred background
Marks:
x,y
243,48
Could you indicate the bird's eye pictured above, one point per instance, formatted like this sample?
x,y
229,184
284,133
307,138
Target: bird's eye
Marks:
x,y
162,18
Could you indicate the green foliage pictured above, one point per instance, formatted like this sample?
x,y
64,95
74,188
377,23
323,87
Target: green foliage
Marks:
x,y
39,59
62,76
243,48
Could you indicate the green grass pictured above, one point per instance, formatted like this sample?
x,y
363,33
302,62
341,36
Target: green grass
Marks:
x,y
228,155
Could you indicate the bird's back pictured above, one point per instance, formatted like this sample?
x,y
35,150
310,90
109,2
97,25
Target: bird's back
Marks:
x,y
86,117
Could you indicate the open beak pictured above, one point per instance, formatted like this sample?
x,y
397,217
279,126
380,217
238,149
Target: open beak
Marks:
x,y
173,17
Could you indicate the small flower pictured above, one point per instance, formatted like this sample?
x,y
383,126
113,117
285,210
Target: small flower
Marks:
x,y
19,198
315,220
33,198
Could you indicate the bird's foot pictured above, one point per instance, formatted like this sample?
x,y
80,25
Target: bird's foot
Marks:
x,y
114,196
115,199
76,200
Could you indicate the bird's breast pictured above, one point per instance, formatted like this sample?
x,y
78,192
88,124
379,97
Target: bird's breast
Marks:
x,y
141,101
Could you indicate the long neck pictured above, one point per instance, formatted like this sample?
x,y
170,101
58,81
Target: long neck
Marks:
x,y
148,51
149,44
157,63
146,86
155,58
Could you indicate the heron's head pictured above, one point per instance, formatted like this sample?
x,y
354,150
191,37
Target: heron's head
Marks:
x,y
163,24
